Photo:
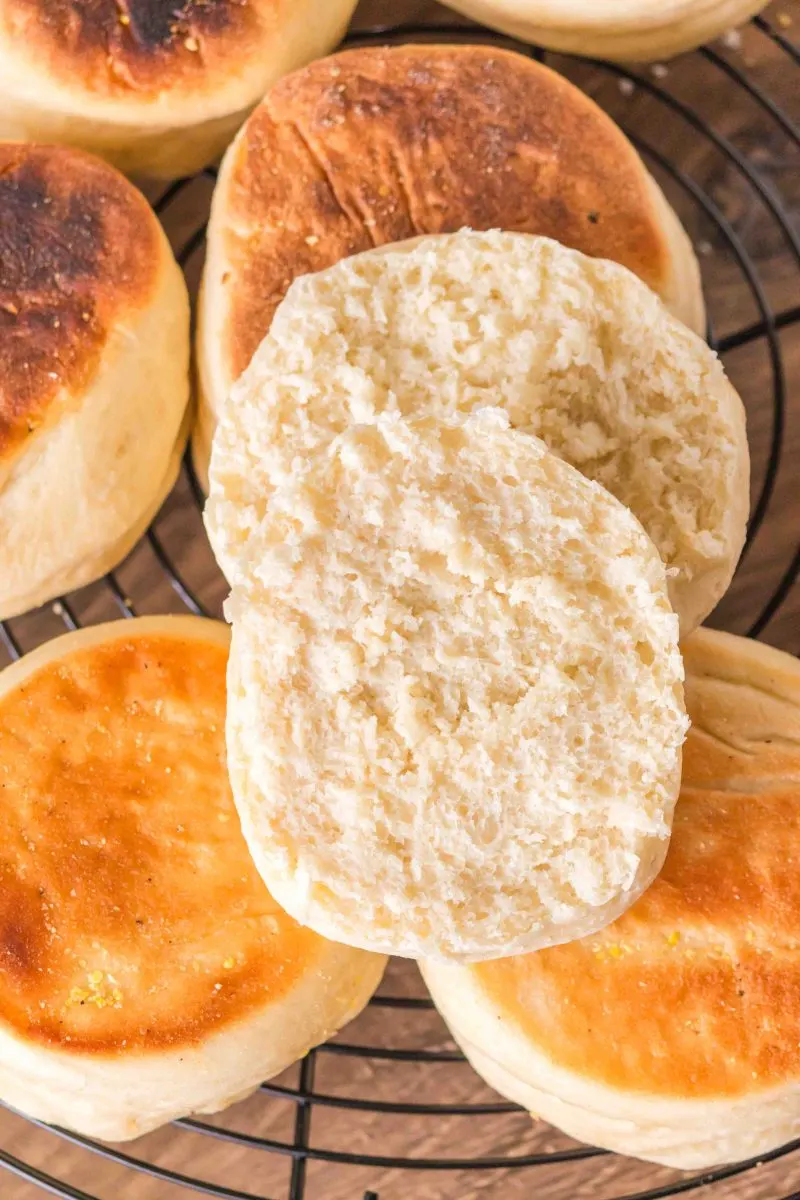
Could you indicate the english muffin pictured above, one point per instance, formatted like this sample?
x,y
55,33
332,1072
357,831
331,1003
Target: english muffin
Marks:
x,y
145,971
94,371
675,1034
155,87
577,351
617,29
381,144
455,709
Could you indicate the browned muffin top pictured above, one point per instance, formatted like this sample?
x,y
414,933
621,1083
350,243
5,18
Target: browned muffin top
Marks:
x,y
79,249
378,145
131,915
139,49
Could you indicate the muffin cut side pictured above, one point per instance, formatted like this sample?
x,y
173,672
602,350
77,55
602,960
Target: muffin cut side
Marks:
x,y
577,351
455,709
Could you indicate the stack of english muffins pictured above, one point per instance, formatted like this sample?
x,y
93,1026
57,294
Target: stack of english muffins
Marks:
x,y
475,481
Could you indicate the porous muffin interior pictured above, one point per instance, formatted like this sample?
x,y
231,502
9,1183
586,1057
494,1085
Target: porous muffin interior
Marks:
x,y
577,351
455,708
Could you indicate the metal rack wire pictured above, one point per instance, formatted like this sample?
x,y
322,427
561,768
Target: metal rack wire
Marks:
x,y
761,324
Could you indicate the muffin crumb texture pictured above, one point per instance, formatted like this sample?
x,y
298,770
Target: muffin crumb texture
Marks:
x,y
455,708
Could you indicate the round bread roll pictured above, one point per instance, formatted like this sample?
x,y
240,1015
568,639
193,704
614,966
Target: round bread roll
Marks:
x,y
380,144
577,350
155,88
145,971
94,371
621,30
455,710
675,1034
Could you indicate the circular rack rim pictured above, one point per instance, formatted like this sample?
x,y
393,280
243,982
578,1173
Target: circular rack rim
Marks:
x,y
766,327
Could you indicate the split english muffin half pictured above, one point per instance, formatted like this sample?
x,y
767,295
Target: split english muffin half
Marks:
x,y
455,709
576,350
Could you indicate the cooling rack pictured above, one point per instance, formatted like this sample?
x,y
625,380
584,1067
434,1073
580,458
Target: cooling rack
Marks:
x,y
389,1108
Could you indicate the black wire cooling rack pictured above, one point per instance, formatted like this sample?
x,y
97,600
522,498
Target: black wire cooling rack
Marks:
x,y
735,180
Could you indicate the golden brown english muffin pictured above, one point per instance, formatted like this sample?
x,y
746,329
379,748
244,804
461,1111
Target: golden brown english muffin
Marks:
x,y
378,145
615,29
94,370
145,970
154,86
674,1035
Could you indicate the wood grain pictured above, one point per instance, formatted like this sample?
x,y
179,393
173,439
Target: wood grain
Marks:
x,y
748,224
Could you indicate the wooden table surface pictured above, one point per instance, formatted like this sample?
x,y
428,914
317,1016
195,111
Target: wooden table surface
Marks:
x,y
760,370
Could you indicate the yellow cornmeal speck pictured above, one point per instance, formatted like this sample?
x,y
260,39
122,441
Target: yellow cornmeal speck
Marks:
x,y
784,20
750,936
191,44
613,950
228,964
98,992
673,938
312,240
